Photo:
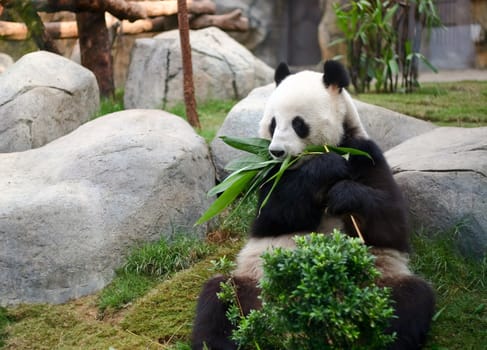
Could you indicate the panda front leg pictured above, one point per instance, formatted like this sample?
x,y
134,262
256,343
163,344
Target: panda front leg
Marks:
x,y
348,196
414,305
211,327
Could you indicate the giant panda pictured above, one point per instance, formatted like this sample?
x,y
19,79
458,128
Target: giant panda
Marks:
x,y
318,194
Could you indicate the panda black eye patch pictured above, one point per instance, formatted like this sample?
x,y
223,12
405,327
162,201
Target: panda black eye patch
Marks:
x,y
300,127
272,126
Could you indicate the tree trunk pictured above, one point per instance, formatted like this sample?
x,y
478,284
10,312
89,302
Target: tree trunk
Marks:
x,y
95,51
189,99
27,13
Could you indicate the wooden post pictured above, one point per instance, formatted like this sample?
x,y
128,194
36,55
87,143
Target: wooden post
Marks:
x,y
95,51
188,84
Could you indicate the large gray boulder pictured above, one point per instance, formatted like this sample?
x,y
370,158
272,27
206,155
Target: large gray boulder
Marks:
x,y
443,174
71,210
5,61
386,127
44,96
222,69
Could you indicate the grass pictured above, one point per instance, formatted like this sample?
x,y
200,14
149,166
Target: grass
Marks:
x,y
149,264
110,104
4,321
452,104
211,115
461,287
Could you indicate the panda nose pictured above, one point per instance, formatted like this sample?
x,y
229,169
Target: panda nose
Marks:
x,y
277,153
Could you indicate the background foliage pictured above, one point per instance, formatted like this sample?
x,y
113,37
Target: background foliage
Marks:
x,y
383,41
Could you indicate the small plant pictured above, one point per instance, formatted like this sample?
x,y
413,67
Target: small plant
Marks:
x,y
321,295
222,265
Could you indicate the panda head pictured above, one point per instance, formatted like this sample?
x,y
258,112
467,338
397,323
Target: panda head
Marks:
x,y
309,108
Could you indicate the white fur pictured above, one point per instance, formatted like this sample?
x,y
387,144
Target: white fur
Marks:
x,y
324,109
249,262
390,262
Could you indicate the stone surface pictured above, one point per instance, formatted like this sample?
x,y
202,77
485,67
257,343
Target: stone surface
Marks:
x,y
443,174
222,69
71,210
386,127
262,17
5,61
44,96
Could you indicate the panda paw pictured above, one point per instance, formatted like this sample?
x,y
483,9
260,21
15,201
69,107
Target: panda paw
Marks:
x,y
347,197
326,168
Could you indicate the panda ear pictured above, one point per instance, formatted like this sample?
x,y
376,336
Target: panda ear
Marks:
x,y
335,74
282,71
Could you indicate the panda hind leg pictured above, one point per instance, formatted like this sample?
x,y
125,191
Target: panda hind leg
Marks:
x,y
414,304
211,327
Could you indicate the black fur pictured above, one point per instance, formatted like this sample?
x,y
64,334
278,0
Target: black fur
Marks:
x,y
301,128
335,74
414,307
282,71
211,326
361,187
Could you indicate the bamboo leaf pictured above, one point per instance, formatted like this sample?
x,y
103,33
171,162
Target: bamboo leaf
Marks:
x,y
428,63
351,151
251,162
252,171
393,66
229,181
227,197
253,145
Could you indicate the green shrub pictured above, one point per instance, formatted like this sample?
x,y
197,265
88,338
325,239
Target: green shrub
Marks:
x,y
320,295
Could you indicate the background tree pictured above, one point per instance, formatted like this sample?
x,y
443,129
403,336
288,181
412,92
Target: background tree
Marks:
x,y
188,84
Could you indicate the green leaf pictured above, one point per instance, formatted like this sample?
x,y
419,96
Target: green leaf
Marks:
x,y
393,66
250,162
339,150
229,181
228,196
253,145
428,63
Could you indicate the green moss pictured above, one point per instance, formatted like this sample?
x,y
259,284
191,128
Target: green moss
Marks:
x,y
63,327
